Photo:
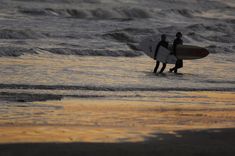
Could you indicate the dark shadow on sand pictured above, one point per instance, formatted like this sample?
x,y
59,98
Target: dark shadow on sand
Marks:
x,y
214,142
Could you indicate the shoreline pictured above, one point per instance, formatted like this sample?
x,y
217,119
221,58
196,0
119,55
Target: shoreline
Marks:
x,y
112,120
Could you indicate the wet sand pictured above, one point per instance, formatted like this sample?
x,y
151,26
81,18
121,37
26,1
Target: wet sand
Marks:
x,y
214,142
197,123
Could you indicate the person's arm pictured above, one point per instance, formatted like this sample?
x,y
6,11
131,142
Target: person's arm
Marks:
x,y
155,54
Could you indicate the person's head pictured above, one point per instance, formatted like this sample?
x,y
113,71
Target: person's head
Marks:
x,y
178,35
163,37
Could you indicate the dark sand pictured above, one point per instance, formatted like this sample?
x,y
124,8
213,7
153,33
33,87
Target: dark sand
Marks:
x,y
214,142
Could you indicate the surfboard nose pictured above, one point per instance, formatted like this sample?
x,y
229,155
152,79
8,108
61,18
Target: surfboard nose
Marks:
x,y
189,52
206,52
202,52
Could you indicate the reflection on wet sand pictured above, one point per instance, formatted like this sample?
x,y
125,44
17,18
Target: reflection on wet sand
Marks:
x,y
112,120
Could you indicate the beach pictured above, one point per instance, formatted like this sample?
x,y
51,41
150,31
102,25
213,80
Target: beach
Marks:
x,y
116,127
74,81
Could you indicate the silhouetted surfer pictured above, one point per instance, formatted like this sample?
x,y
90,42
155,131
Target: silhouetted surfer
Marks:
x,y
177,41
162,43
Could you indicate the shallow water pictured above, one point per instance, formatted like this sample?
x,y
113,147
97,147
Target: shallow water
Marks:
x,y
111,120
115,73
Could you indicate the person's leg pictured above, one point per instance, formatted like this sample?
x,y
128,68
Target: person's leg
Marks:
x,y
172,69
179,64
156,67
175,70
163,68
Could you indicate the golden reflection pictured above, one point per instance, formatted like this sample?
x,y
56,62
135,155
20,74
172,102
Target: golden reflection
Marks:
x,y
105,120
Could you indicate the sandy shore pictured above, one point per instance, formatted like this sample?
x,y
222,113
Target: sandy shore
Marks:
x,y
198,123
214,142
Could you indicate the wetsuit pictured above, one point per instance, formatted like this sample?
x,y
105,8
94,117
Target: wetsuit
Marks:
x,y
179,63
163,44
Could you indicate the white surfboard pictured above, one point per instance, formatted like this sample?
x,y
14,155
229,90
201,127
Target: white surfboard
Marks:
x,y
149,45
164,56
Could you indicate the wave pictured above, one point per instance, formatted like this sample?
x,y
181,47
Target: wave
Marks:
x,y
62,1
230,21
15,51
198,27
216,27
18,51
137,31
119,36
109,88
213,4
128,34
97,13
110,53
189,13
217,38
38,12
19,34
221,38
219,49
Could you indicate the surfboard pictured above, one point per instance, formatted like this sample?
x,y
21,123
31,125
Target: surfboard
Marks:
x,y
149,45
163,55
190,52
184,52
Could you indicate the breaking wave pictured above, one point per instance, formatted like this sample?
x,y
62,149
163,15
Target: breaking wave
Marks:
x,y
15,51
111,53
217,27
97,13
120,36
128,34
131,22
63,1
18,51
219,49
19,34
189,13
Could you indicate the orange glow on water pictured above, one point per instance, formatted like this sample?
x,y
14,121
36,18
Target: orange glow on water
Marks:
x,y
101,120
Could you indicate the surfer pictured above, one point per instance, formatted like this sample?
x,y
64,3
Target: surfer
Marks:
x,y
177,41
164,44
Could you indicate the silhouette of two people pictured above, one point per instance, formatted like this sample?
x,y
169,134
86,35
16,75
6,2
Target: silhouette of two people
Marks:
x,y
164,43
